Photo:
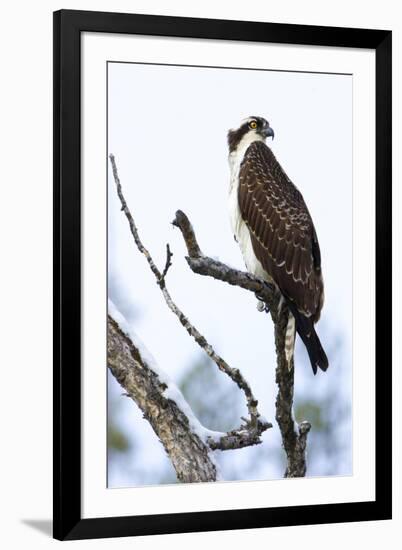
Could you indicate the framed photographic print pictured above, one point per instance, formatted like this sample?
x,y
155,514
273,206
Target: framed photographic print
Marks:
x,y
222,208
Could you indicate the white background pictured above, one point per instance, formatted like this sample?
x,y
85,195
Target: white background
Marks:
x,y
26,261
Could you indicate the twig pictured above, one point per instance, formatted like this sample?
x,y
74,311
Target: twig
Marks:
x,y
256,426
237,439
169,256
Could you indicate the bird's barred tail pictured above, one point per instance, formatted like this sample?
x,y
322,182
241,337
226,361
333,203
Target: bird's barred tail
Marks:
x,y
306,331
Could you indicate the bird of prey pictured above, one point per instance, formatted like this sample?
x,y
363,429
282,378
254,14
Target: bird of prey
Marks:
x,y
276,234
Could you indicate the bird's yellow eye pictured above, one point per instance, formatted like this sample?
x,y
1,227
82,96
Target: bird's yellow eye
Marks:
x,y
253,125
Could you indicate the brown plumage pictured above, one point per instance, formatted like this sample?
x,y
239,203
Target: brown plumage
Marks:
x,y
282,231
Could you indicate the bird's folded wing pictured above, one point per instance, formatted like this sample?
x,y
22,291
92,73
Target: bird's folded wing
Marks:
x,y
281,229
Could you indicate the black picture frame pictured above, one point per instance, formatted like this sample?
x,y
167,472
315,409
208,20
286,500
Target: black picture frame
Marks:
x,y
68,26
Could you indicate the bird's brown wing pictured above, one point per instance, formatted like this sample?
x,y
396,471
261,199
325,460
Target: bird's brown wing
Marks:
x,y
281,229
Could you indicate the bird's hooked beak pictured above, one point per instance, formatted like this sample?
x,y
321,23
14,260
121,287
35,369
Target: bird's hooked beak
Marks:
x,y
268,132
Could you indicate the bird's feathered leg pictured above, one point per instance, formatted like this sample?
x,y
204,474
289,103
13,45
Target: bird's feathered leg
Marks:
x,y
290,339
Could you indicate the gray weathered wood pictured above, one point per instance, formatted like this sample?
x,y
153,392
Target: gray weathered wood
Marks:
x,y
190,456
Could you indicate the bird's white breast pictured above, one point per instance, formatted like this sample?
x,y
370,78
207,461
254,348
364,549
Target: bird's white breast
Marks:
x,y
239,228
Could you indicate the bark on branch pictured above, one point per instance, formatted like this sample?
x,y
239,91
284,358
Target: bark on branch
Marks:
x,y
248,433
190,456
294,438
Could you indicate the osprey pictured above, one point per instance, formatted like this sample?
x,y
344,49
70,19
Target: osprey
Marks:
x,y
276,234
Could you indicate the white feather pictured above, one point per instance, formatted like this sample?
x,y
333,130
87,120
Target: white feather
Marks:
x,y
239,228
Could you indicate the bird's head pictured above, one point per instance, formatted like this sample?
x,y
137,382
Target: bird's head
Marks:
x,y
253,128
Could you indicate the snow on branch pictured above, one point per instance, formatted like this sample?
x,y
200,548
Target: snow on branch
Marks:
x,y
248,433
178,430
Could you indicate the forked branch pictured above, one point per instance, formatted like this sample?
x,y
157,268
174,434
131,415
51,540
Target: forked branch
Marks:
x,y
247,434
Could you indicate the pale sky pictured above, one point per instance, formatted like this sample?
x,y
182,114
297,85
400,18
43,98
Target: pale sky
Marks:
x,y
167,130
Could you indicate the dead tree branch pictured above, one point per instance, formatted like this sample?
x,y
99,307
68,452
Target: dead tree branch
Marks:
x,y
249,433
294,438
190,456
